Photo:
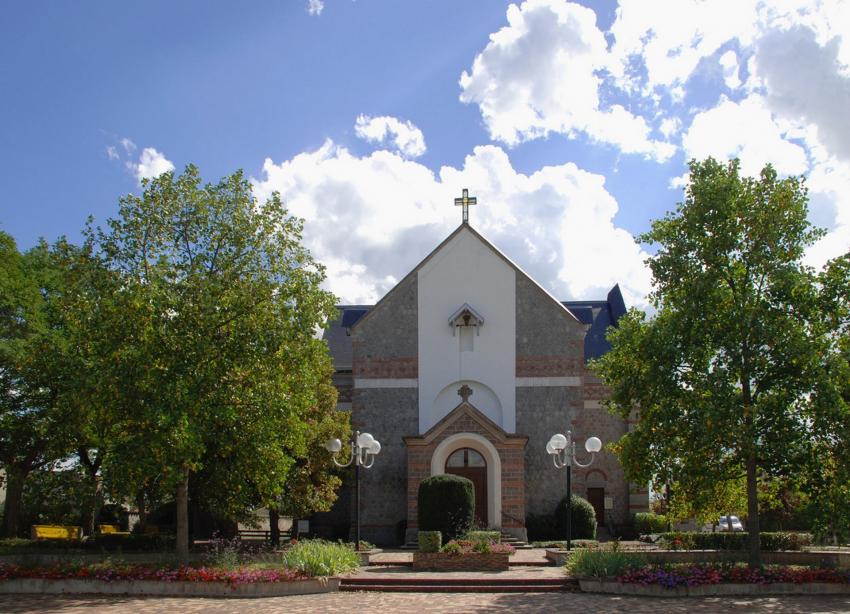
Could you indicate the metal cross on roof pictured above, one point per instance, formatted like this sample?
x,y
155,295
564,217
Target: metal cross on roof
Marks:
x,y
464,392
464,201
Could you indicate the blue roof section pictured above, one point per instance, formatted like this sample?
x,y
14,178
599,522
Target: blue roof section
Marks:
x,y
600,315
350,315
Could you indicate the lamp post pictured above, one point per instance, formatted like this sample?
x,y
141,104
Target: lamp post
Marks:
x,y
364,448
562,448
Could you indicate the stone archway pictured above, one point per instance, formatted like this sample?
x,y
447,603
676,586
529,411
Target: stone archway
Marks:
x,y
483,446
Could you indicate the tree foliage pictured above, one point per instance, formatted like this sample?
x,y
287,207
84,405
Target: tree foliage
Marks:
x,y
207,355
724,372
34,370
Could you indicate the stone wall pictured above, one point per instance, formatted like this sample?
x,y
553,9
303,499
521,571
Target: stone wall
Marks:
x,y
384,344
389,414
542,412
385,340
550,343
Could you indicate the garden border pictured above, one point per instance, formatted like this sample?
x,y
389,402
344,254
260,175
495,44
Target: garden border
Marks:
x,y
786,557
168,589
614,587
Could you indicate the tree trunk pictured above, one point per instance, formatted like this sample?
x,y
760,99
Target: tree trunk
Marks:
x,y
96,505
12,508
140,507
753,512
182,504
91,468
274,527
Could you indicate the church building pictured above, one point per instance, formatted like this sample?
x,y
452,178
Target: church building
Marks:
x,y
469,366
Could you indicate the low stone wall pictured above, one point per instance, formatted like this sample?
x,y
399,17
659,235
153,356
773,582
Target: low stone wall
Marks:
x,y
779,588
366,555
475,561
824,558
169,589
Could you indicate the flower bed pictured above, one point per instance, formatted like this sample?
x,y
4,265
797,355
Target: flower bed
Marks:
x,y
141,580
113,572
699,575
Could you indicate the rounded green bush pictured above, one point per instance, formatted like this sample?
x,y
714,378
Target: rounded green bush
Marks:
x,y
583,518
447,505
430,541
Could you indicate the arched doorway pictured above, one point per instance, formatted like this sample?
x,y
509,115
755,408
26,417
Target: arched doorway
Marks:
x,y
470,464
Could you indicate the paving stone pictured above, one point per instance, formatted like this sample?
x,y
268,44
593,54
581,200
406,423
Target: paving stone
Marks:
x,y
417,602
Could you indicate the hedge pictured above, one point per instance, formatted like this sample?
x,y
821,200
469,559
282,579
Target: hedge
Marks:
x,y
689,540
446,504
650,523
583,518
430,541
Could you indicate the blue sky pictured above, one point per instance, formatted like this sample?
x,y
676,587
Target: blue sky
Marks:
x,y
572,124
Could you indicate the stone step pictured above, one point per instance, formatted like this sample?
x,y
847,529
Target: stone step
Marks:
x,y
460,585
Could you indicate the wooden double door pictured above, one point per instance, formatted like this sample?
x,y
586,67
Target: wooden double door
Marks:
x,y
469,463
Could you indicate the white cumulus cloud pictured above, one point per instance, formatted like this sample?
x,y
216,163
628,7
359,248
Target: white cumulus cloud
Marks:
x,y
404,136
371,219
151,163
747,130
540,75
315,7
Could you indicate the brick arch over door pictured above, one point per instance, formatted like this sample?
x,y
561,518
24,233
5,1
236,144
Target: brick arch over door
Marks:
x,y
494,468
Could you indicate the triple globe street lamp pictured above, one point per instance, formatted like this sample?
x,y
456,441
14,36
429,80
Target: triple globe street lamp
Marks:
x,y
562,449
364,449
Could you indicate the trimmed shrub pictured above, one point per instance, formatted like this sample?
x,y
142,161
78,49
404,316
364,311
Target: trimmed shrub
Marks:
x,y
542,527
430,541
650,523
484,536
583,518
770,542
603,563
446,504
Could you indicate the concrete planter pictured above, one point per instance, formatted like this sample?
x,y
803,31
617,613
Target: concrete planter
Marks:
x,y
169,589
366,555
610,586
474,561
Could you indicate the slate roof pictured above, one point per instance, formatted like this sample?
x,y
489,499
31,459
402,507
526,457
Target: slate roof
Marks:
x,y
598,314
338,333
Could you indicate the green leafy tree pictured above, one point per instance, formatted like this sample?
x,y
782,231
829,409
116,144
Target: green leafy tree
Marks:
x,y
724,372
313,481
210,338
828,477
34,369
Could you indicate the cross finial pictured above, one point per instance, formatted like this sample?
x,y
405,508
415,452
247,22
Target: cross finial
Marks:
x,y
464,201
464,392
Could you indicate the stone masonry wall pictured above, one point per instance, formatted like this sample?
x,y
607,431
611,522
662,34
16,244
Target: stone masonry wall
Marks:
x,y
542,412
384,345
389,414
551,345
385,342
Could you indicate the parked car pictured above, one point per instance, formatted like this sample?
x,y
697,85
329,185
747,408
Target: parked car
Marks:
x,y
733,524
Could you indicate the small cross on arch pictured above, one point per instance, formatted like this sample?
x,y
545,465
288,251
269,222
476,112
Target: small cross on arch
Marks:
x,y
464,201
464,392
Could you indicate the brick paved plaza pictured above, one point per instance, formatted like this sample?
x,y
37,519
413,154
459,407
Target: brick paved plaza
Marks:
x,y
418,602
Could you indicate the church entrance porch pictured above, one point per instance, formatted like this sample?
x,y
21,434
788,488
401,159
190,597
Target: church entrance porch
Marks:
x,y
465,442
468,463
